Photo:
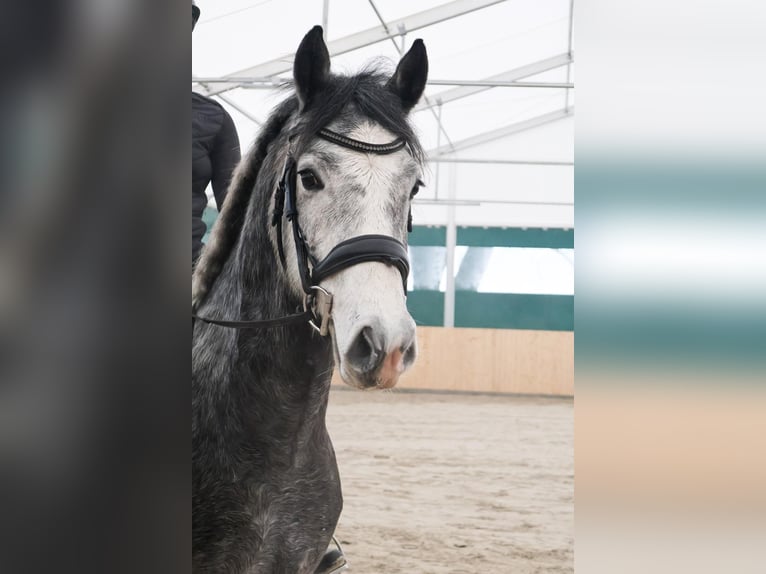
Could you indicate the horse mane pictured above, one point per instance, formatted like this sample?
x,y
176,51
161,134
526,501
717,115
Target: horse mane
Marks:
x,y
348,98
228,225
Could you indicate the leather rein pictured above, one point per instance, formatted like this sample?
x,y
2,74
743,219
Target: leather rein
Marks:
x,y
317,302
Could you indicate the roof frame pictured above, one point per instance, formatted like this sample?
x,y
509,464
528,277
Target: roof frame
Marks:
x,y
509,76
365,38
502,132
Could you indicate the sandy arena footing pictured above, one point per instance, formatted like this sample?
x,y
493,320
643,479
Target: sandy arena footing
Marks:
x,y
454,483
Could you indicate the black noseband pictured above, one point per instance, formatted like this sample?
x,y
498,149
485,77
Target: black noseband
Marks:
x,y
361,249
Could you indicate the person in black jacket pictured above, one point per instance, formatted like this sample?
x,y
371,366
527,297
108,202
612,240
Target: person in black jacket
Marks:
x,y
215,154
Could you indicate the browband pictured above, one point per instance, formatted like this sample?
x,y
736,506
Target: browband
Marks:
x,y
351,143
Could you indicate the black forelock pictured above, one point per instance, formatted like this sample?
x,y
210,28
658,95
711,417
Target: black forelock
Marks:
x,y
352,99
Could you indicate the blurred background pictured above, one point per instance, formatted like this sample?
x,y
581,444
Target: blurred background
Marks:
x,y
670,312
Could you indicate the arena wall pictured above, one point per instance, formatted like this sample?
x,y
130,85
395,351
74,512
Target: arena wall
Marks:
x,y
492,360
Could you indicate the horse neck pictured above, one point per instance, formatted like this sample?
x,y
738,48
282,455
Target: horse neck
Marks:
x,y
294,355
260,382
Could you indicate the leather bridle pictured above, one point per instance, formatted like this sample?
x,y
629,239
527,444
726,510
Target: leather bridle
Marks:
x,y
317,303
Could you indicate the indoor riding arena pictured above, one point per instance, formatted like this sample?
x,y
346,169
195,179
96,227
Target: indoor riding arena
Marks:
x,y
466,466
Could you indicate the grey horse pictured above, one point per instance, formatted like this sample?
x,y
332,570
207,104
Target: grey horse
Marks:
x,y
266,490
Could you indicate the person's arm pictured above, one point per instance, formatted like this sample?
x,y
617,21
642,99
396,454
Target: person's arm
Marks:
x,y
224,158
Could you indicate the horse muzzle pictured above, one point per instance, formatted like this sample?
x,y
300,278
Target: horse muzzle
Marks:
x,y
375,358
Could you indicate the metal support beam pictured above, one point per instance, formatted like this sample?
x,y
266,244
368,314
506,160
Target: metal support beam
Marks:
x,y
569,51
365,38
276,81
400,49
500,84
449,290
510,76
477,202
325,17
438,144
438,160
502,132
244,81
385,25
240,109
461,202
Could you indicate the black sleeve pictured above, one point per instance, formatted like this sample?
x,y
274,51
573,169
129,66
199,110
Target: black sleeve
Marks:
x,y
224,158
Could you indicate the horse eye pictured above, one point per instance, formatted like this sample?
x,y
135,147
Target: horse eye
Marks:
x,y
309,180
416,189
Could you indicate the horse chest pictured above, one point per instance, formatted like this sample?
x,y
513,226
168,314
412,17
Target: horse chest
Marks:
x,y
294,516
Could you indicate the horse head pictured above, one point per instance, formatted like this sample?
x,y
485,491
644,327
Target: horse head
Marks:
x,y
354,166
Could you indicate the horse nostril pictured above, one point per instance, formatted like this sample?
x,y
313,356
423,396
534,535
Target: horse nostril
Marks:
x,y
410,351
367,350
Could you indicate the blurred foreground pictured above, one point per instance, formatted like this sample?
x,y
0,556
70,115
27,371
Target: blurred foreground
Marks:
x,y
94,270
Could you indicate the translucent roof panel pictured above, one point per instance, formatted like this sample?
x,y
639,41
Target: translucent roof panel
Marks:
x,y
467,41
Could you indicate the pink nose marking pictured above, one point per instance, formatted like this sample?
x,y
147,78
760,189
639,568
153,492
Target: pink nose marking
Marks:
x,y
392,367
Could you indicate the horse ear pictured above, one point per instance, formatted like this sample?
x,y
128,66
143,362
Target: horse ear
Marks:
x,y
312,66
409,79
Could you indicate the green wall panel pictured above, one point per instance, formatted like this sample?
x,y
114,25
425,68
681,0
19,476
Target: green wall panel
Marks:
x,y
495,310
423,235
208,217
426,307
514,311
428,236
515,237
495,237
